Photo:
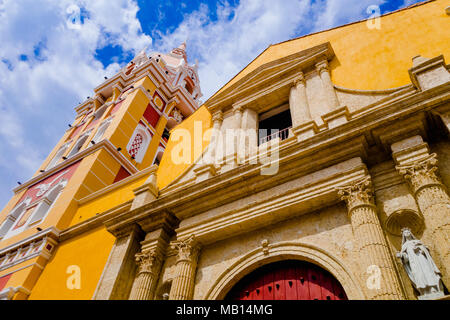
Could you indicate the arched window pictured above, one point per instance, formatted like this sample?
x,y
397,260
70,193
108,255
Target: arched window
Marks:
x,y
57,158
100,111
101,130
17,212
26,214
158,155
47,202
138,144
79,144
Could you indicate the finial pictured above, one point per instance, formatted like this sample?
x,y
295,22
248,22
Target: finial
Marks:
x,y
182,46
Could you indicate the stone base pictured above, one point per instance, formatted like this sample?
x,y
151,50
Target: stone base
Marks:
x,y
336,117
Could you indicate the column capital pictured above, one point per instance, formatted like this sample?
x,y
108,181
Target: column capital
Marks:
x,y
322,66
421,173
187,249
300,79
359,193
147,262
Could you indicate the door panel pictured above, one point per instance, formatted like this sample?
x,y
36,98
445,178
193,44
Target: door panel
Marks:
x,y
288,280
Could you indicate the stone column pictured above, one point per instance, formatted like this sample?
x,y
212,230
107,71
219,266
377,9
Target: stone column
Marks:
x,y
186,267
298,102
116,280
434,203
144,285
330,93
373,248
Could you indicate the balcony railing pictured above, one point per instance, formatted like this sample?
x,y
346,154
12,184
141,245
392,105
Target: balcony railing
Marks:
x,y
282,134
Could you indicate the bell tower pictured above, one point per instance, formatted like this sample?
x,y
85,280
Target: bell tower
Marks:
x,y
119,131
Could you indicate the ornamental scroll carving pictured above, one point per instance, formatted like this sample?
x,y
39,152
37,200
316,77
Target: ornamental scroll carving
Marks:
x,y
421,173
147,262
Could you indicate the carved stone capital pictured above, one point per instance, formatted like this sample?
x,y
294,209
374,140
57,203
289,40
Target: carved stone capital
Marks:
x,y
421,173
238,108
148,261
357,194
187,249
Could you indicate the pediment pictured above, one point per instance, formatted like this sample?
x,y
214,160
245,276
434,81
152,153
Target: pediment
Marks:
x,y
269,74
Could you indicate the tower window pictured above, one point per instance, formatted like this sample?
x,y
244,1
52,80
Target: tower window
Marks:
x,y
136,145
79,144
166,134
275,124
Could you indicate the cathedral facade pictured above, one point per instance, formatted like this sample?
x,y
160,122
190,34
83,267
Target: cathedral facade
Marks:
x,y
319,172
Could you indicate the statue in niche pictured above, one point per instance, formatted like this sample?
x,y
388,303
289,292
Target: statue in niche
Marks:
x,y
420,267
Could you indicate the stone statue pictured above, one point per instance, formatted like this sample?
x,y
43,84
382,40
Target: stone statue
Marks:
x,y
420,267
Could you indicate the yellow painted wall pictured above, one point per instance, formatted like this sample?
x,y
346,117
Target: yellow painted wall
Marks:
x,y
107,201
374,59
168,170
90,252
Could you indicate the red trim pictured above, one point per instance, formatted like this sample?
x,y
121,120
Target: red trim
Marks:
x,y
76,131
4,281
32,191
122,174
151,115
116,107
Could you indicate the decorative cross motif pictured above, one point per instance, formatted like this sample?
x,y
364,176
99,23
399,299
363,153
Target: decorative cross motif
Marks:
x,y
136,145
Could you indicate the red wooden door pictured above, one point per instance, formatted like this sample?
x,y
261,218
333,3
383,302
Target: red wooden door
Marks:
x,y
288,280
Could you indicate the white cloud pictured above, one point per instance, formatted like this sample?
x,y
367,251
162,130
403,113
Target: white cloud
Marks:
x,y
225,45
332,13
47,66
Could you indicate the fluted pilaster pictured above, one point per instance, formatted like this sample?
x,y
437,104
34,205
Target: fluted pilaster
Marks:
x,y
217,119
298,102
328,87
186,266
372,245
434,203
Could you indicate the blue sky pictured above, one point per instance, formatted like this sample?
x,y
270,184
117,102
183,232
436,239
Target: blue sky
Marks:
x,y
54,53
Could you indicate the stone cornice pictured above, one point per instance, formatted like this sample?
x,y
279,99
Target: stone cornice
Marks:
x,y
341,138
104,144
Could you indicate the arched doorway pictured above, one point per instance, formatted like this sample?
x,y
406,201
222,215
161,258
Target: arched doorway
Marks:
x,y
288,280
